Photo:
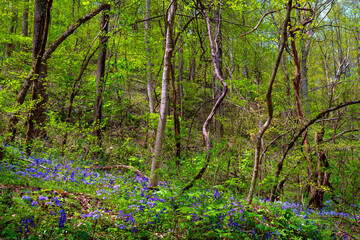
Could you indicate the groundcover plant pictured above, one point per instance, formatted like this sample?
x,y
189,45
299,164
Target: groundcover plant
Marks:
x,y
62,199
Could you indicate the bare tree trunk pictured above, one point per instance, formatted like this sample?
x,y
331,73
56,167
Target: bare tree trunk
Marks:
x,y
180,76
213,111
219,58
270,109
37,117
150,88
100,73
176,117
154,175
305,47
320,178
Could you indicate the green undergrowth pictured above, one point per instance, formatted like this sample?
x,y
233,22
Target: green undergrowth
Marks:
x,y
51,199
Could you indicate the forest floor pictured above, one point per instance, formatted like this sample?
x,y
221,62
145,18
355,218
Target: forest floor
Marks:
x,y
46,198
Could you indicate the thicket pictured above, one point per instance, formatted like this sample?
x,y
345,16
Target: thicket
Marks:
x,y
77,149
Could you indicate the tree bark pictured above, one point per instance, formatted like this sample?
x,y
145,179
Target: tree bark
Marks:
x,y
100,73
219,60
160,134
269,102
37,117
176,117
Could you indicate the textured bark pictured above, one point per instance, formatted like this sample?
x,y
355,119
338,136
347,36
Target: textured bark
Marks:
x,y
150,88
213,111
320,178
180,76
160,134
100,73
219,60
269,102
176,117
37,117
305,47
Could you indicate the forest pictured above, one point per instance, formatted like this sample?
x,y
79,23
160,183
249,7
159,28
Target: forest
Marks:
x,y
192,119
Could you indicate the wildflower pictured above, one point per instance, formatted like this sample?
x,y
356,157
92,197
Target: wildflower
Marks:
x,y
57,202
94,215
42,198
27,199
217,195
34,203
62,218
26,222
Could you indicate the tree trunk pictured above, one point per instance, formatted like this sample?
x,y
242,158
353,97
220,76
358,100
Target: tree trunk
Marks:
x,y
37,117
269,102
320,178
160,134
100,80
180,76
305,47
150,88
176,117
219,58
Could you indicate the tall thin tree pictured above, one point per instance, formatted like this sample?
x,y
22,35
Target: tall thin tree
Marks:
x,y
160,134
100,73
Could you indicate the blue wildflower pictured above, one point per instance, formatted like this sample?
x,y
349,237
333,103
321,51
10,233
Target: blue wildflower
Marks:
x,y
62,218
42,198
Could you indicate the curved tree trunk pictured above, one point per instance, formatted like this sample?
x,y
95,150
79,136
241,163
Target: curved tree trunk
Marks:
x,y
266,125
214,109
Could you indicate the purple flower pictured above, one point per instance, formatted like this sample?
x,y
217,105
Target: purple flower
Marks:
x,y
27,199
42,198
62,218
57,202
34,203
94,215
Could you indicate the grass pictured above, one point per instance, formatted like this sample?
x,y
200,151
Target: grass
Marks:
x,y
62,199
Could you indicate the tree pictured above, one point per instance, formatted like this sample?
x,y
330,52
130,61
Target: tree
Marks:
x,y
36,118
269,102
160,134
100,75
